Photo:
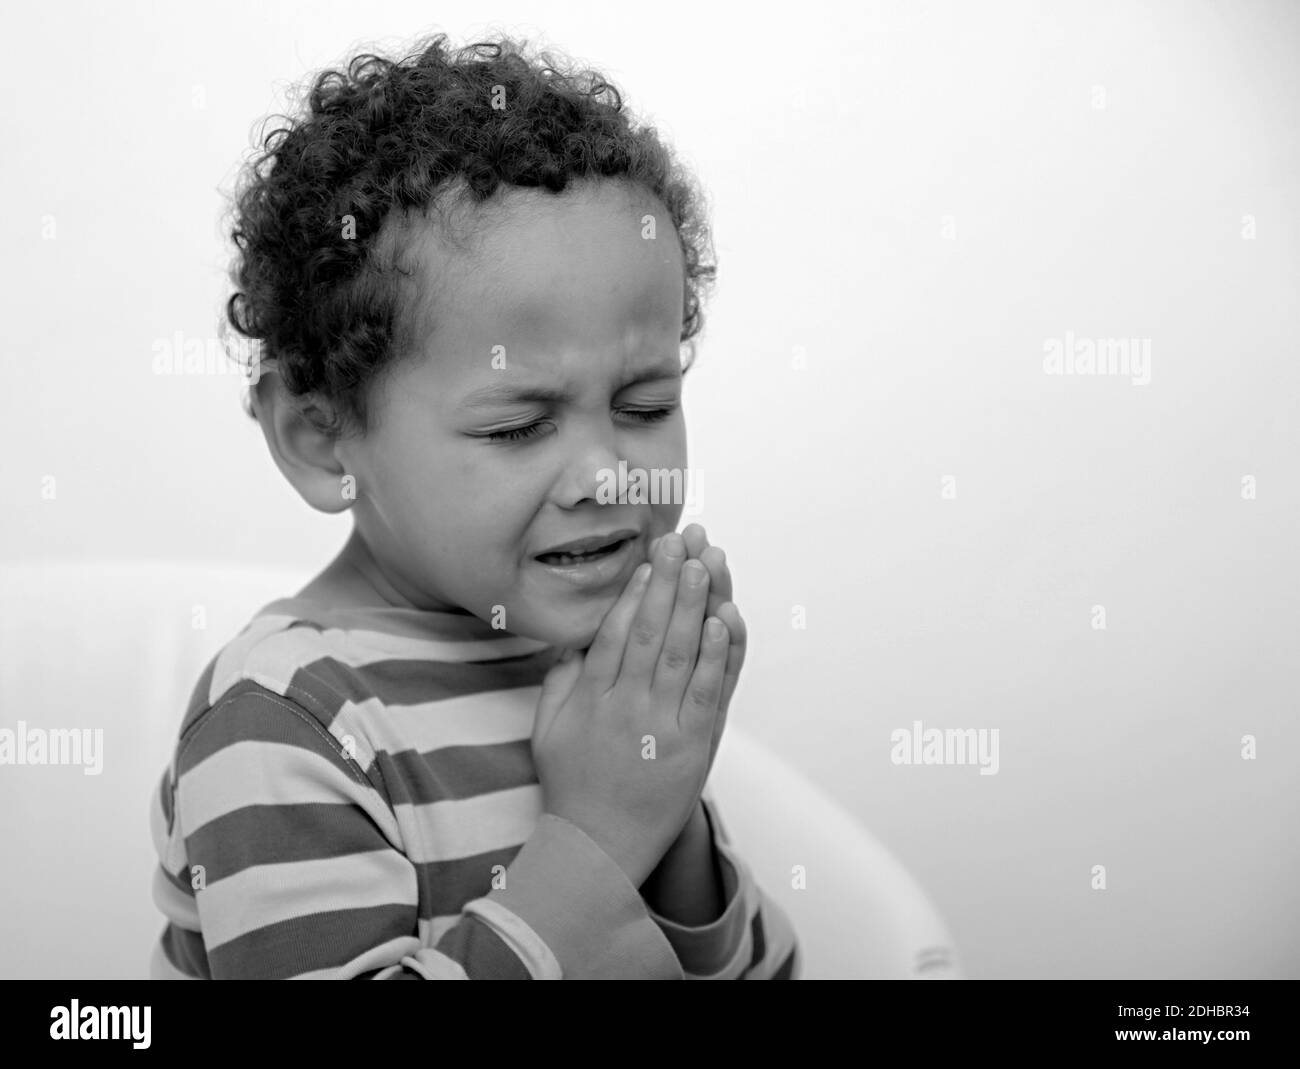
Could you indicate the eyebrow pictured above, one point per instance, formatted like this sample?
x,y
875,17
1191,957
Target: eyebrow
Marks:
x,y
505,394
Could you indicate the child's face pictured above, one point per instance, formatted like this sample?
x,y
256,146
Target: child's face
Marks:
x,y
569,295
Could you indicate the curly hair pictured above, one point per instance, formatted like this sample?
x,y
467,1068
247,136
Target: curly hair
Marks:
x,y
319,286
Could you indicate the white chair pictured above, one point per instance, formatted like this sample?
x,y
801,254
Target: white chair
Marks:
x,y
118,645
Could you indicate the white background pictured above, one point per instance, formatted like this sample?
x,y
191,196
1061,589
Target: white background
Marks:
x,y
913,198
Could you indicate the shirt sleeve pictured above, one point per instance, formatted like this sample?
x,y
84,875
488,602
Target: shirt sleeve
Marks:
x,y
753,939
281,859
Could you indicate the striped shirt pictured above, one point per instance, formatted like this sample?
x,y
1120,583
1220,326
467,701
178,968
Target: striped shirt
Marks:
x,y
352,795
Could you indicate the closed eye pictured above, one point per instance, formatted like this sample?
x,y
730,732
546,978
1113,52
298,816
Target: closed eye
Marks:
x,y
650,415
515,434
531,430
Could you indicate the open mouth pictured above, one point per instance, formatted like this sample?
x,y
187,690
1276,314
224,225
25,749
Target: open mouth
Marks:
x,y
585,556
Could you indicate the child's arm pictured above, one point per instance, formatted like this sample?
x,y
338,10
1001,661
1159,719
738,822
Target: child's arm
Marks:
x,y
687,886
750,939
282,859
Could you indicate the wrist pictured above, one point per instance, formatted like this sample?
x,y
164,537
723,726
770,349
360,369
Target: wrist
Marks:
x,y
686,887
690,842
626,849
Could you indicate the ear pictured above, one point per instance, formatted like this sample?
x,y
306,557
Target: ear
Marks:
x,y
305,455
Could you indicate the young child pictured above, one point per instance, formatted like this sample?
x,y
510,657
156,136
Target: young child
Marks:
x,y
475,746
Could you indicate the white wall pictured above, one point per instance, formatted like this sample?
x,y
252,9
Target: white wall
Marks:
x,y
913,199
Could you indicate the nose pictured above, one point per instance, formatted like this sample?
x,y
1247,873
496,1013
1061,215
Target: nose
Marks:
x,y
590,466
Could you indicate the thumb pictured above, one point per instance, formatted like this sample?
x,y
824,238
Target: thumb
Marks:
x,y
558,685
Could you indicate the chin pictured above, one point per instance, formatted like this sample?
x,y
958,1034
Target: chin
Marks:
x,y
572,630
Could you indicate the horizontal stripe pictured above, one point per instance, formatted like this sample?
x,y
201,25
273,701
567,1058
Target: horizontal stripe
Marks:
x,y
460,772
307,944
442,831
176,905
250,713
484,719
270,894
271,653
445,886
481,952
268,774
280,834
330,677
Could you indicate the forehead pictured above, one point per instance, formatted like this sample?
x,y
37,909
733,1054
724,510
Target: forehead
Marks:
x,y
536,270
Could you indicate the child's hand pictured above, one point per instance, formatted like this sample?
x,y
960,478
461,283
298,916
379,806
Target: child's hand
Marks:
x,y
721,606
651,670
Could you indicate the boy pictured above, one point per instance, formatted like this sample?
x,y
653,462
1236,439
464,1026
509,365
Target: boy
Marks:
x,y
471,279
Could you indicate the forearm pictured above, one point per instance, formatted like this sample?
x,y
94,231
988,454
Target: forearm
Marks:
x,y
686,886
720,923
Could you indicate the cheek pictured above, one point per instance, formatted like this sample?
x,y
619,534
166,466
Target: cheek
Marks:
x,y
420,506
667,452
664,518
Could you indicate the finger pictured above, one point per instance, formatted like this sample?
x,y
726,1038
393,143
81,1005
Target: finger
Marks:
x,y
682,640
719,722
650,624
699,709
729,614
719,604
731,673
697,541
715,559
606,653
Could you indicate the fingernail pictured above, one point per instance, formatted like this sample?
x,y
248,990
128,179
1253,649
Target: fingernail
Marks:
x,y
714,629
642,573
674,547
695,572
